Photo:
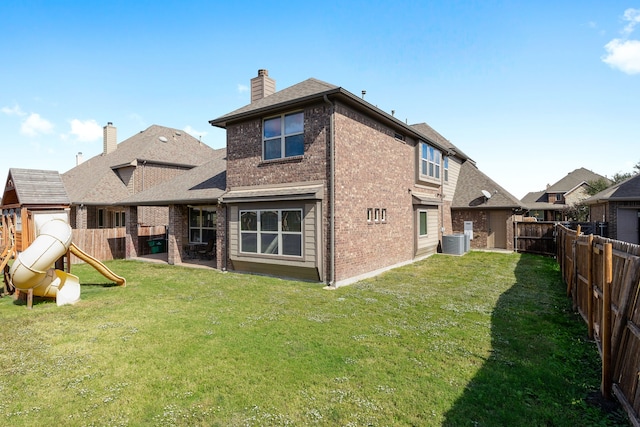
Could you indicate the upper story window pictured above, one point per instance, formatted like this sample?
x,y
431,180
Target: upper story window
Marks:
x,y
430,159
283,136
445,168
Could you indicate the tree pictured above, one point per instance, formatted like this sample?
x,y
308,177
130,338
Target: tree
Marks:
x,y
597,185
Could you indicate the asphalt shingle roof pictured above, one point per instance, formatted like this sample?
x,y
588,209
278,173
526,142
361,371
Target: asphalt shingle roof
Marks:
x,y
468,194
314,89
573,179
202,184
38,187
627,190
96,181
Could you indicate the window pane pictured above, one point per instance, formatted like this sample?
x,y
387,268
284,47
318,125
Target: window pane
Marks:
x,y
269,221
249,221
194,235
249,242
424,151
292,244
272,127
423,223
269,243
437,174
208,218
208,235
430,169
424,167
272,149
294,145
293,123
292,221
194,217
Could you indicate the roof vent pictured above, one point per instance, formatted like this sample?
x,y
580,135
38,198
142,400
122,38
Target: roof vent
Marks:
x,y
163,139
178,133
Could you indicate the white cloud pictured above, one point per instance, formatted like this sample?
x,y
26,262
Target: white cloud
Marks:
x,y
35,125
86,131
633,16
13,111
624,54
195,133
243,88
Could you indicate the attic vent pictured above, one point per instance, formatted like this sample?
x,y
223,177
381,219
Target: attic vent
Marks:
x,y
163,139
399,136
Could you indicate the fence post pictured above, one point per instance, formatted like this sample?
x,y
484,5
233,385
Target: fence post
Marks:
x,y
606,321
590,287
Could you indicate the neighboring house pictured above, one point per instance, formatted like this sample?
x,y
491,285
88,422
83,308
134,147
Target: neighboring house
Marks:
x,y
325,186
28,193
485,209
153,156
619,206
553,203
192,201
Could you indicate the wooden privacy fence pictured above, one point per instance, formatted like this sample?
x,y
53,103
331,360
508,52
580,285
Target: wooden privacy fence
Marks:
x,y
537,237
110,243
602,277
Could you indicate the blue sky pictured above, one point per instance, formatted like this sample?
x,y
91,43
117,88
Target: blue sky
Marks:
x,y
529,90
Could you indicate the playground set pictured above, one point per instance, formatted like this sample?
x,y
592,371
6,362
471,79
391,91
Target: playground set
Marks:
x,y
36,239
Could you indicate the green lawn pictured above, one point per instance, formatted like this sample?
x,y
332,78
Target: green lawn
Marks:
x,y
485,339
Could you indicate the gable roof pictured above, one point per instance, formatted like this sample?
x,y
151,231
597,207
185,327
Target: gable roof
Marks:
x,y
434,136
627,190
537,200
202,184
573,180
468,194
314,90
96,180
34,187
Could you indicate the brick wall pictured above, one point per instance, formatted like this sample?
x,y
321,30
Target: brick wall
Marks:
x,y
244,153
373,170
245,166
480,226
178,236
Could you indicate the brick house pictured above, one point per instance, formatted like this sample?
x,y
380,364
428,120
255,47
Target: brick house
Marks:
x,y
148,158
324,186
552,203
192,202
487,210
619,206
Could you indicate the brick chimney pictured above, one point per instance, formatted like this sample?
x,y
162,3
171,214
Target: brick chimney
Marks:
x,y
262,86
110,139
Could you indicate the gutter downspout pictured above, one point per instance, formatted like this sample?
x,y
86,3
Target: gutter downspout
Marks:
x,y
332,198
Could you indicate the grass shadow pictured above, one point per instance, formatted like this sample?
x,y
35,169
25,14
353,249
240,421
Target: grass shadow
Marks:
x,y
542,370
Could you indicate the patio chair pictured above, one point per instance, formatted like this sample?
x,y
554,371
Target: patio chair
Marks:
x,y
208,251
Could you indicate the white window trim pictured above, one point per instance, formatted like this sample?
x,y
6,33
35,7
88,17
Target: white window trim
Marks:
x,y
280,233
437,166
118,219
426,213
